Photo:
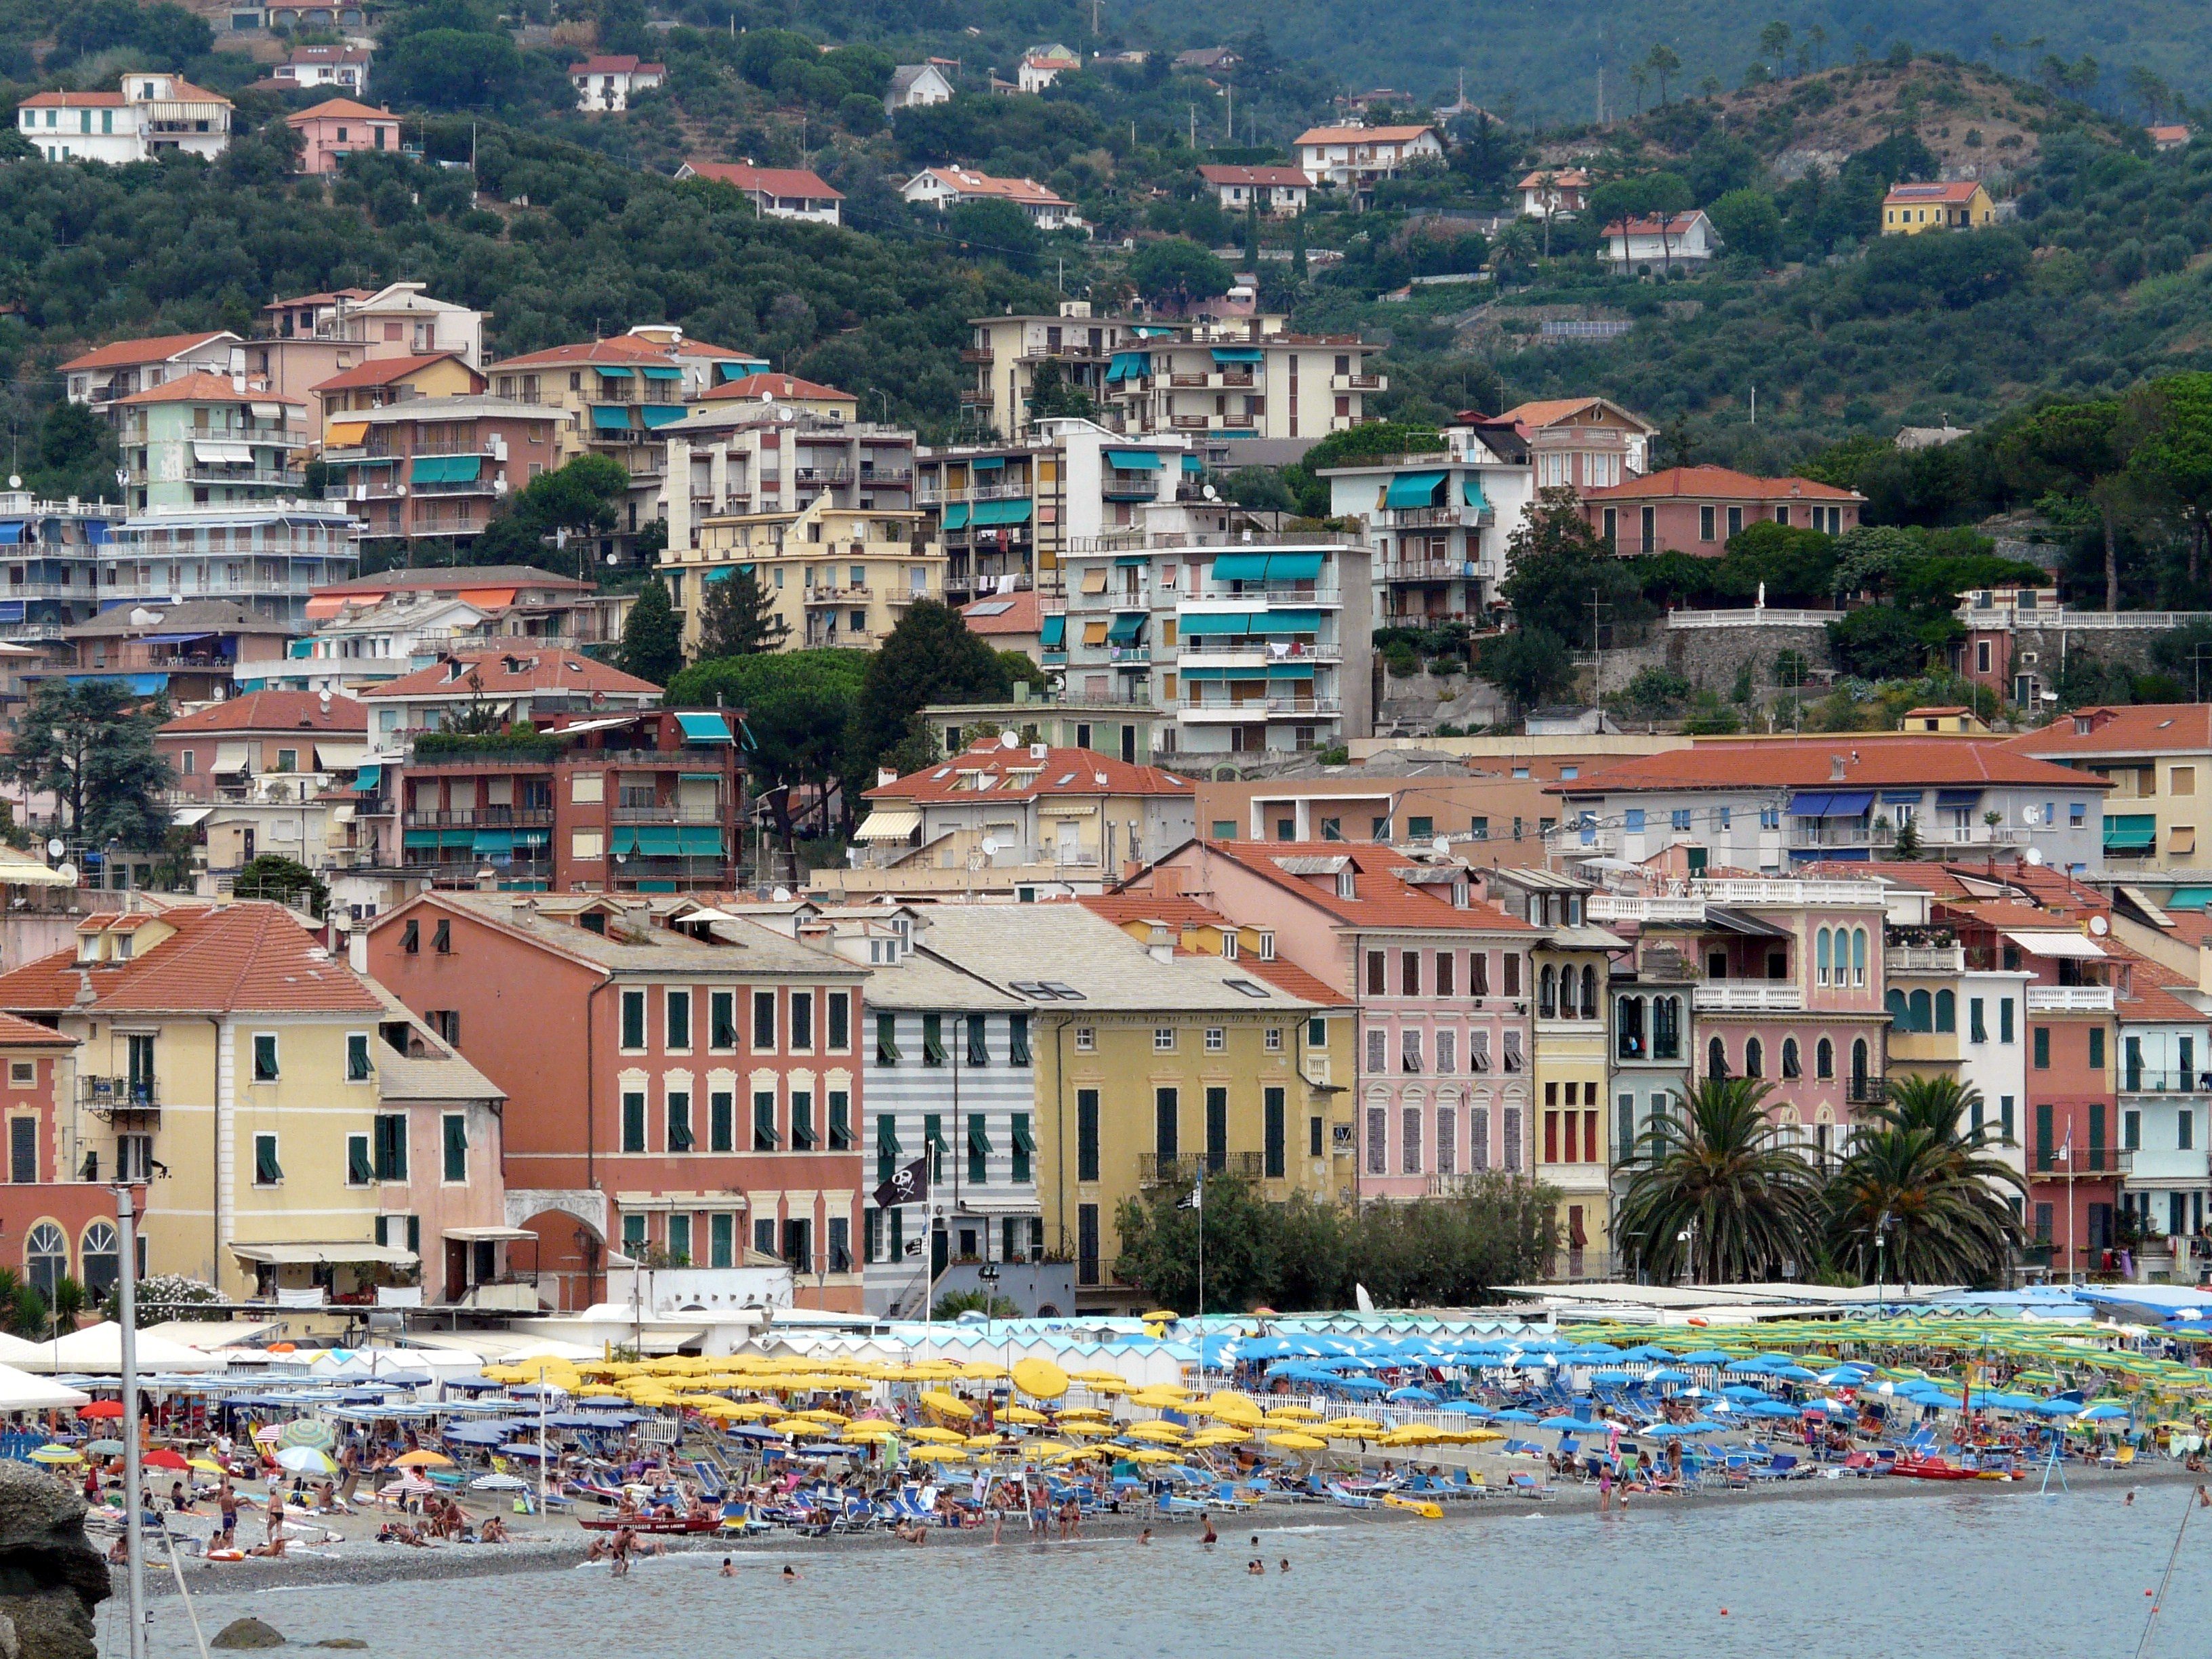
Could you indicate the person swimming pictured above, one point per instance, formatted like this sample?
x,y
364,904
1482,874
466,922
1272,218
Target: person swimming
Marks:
x,y
790,1574
729,1568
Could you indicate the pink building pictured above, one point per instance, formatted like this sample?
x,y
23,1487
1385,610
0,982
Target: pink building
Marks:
x,y
333,130
1695,509
1441,978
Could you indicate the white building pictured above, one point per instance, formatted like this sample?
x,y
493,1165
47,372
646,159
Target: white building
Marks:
x,y
2165,1063
1550,193
148,115
948,187
345,67
1277,191
607,84
914,86
1355,158
1658,244
368,645
266,556
108,374
1042,66
774,192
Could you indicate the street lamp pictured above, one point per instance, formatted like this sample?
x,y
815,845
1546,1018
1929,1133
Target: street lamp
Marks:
x,y
1687,1239
1883,1223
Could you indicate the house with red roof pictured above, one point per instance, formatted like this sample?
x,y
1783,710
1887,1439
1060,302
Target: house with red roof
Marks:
x,y
607,83
336,128
1356,157
151,113
382,381
946,187
1549,192
100,377
1275,192
56,1210
2155,759
227,746
811,395
1696,509
774,192
1659,242
203,439
1955,205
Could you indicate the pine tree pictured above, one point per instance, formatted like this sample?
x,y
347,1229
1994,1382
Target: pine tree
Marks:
x,y
653,639
735,620
1299,249
1252,233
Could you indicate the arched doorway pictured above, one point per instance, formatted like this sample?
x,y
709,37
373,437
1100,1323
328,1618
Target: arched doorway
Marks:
x,y
569,1259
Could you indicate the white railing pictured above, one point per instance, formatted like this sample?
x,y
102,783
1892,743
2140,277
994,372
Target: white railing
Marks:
x,y
1757,616
1925,959
2058,616
1730,996
1752,890
2069,999
1621,907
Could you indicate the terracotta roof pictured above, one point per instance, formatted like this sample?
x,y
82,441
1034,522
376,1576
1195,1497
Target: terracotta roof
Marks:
x,y
1806,762
16,1032
621,349
2151,728
1559,178
532,671
199,616
384,371
159,349
1018,612
1361,135
1678,226
455,579
2149,989
1017,774
1258,177
1958,190
787,387
250,956
72,100
1717,482
1181,913
1380,898
273,711
202,387
968,182
772,181
1550,411
340,108
329,299
618,66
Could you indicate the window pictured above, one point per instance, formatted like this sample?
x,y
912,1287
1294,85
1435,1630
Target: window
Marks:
x,y
1512,1054
2042,1045
1735,522
1378,1050
1478,974
2184,1129
410,937
841,1120
2096,1047
887,1049
1512,961
1547,987
2005,1019
679,1122
1409,973
391,1146
763,1234
1166,1138
722,1019
1715,1058
360,1171
803,1137
455,1148
265,1056
678,1010
1791,1063
802,1021
764,1022
933,1039
765,1139
267,1172
1977,1028
1086,1243
633,1120
1378,974
1705,524
978,1149
2130,1132
1017,1039
721,1121
1163,1039
357,1066
1023,1147
1086,1039
633,1019
979,1040
1216,1039
587,845
1754,1058
2004,1118
447,1023
837,1008
441,939
46,1252
1086,1134
1409,1050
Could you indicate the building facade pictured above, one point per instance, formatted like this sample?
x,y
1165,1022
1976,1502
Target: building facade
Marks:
x,y
149,115
209,440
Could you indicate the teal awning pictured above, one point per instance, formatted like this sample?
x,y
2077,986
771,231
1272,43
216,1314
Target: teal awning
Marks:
x,y
1232,621
1290,671
2133,832
659,841
1471,491
1414,489
2187,898
610,418
956,516
1293,567
699,841
663,414
719,573
704,728
1053,635
492,841
1126,630
1192,464
614,373
1132,562
1238,355
1129,366
421,838
444,469
1189,674
1001,513
987,464
369,778
456,837
660,373
1240,567
1135,460
1286,622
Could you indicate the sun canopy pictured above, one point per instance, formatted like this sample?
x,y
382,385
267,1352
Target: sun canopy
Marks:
x,y
2056,943
891,823
1414,489
1000,513
1238,355
704,728
613,417
444,469
1822,803
1135,460
97,1350
343,1252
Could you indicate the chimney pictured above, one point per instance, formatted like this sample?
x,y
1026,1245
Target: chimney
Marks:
x,y
1836,768
1160,945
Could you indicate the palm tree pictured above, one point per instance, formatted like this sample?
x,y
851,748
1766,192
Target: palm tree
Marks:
x,y
1718,1191
1919,1198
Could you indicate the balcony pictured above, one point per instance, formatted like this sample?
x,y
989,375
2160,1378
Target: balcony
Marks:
x,y
1733,996
1438,517
837,595
1129,656
2136,1080
1358,383
975,355
1867,1091
1260,649
110,1097
1286,708
253,477
1174,1169
1925,959
667,813
2069,999
480,818
2083,1163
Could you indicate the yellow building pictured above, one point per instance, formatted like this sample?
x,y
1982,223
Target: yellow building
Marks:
x,y
382,381
1160,1058
834,576
2153,764
1962,204
228,1060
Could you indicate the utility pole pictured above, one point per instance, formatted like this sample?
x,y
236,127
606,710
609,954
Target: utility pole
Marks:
x,y
1598,607
1193,126
1094,16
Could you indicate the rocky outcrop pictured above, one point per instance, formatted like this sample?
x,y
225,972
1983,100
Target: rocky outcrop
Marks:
x,y
50,1576
247,1633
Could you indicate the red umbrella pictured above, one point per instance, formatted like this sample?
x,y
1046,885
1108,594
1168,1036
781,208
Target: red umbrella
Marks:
x,y
101,1408
165,1459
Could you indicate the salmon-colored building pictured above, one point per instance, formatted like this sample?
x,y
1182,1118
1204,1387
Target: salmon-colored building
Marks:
x,y
57,1221
335,129
227,745
681,1091
1695,509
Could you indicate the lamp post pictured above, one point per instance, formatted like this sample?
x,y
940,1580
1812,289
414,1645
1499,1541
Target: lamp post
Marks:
x,y
1687,1238
1882,1226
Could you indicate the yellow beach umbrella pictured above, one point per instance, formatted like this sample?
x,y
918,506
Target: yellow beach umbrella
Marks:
x,y
423,1460
794,1426
1022,1415
1164,1433
875,1429
56,1453
1149,1455
1226,1435
1290,1441
1411,1434
1086,1430
1079,1413
1099,1377
1040,1379
1291,1414
1160,1397
945,1403
1160,1317
939,1455
932,1435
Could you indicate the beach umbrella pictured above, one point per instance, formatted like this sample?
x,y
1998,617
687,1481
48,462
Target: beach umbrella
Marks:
x,y
306,1432
499,1483
1040,1379
162,1458
1022,1415
1706,1356
1513,1415
946,1405
1290,1441
101,1408
1149,1455
930,1434
2104,1411
1573,1426
1417,1396
423,1460
106,1448
305,1460
57,1455
938,1454
208,1466
1666,1374
1167,1433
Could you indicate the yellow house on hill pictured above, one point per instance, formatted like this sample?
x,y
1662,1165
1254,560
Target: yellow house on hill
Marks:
x,y
1962,204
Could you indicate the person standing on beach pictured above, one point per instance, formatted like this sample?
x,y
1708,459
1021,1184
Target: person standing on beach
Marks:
x,y
1212,1538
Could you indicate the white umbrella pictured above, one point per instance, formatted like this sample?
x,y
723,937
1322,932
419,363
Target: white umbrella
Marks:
x,y
22,1392
97,1350
305,1460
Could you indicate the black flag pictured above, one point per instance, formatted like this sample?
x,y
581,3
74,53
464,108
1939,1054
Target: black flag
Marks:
x,y
909,1184
1194,1198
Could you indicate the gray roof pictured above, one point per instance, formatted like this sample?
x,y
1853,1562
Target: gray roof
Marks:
x,y
451,409
640,945
438,1073
923,980
193,616
1011,943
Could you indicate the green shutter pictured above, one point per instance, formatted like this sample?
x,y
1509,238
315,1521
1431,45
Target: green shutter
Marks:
x,y
457,1147
360,1171
266,1171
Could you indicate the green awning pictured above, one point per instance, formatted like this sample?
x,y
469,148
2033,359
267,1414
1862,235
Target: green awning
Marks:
x,y
1290,671
1055,633
704,728
663,414
1024,1142
1238,355
699,841
1240,567
719,573
660,373
1126,630
987,464
1135,460
1001,513
1286,622
1414,489
2133,832
368,780
444,469
1129,366
1232,621
659,841
2188,898
1190,674
956,516
609,417
1133,562
492,841
614,373
1471,491
622,842
457,837
1294,567
421,838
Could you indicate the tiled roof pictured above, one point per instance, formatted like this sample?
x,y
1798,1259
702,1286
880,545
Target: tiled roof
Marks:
x,y
1259,178
1558,177
72,100
126,354
1871,760
273,711
1958,190
788,387
344,109
1551,411
1183,914
2150,988
247,957
1679,225
16,1032
772,181
206,616
384,371
637,943
1063,942
1018,613
618,65
1380,899
621,349
1717,482
968,182
2151,728
1017,774
1360,135
504,672
455,579
202,387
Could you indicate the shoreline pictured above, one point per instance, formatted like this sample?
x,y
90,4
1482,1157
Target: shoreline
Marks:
x,y
362,1563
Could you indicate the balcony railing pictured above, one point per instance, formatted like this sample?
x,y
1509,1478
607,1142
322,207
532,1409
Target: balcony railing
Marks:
x,y
481,818
2069,999
109,1095
1170,1169
1284,708
1925,959
1731,996
670,813
2139,1080
2083,1162
1261,646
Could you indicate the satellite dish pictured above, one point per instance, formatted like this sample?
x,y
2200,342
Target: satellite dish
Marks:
x,y
1441,846
13,482
990,848
2099,927
1009,739
1210,495
55,847
2031,815
783,895
67,873
2035,855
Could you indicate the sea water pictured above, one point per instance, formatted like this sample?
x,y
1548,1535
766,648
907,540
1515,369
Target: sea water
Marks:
x,y
1938,1573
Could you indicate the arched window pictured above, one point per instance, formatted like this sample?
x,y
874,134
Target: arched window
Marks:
x,y
1820,958
101,1255
1947,1011
45,1258
1628,1028
1790,1065
1824,1058
1546,992
1754,1058
1899,1016
1858,958
1589,991
1715,1058
1666,1028
1858,1069
1921,1019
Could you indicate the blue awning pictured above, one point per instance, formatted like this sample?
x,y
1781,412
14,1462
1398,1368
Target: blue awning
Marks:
x,y
956,516
1286,622
1233,622
144,685
704,728
663,414
1806,804
699,841
659,373
1240,567
1135,460
610,418
1189,674
1053,635
1126,629
1132,562
1952,799
1192,464
492,841
11,610
100,532
1414,489
1293,567
1238,355
1471,491
1825,804
1900,797
987,464
719,573
11,533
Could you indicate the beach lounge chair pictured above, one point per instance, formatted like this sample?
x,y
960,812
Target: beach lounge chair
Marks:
x,y
1462,1485
2119,1457
711,1484
1172,1507
1531,1486
1340,1494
